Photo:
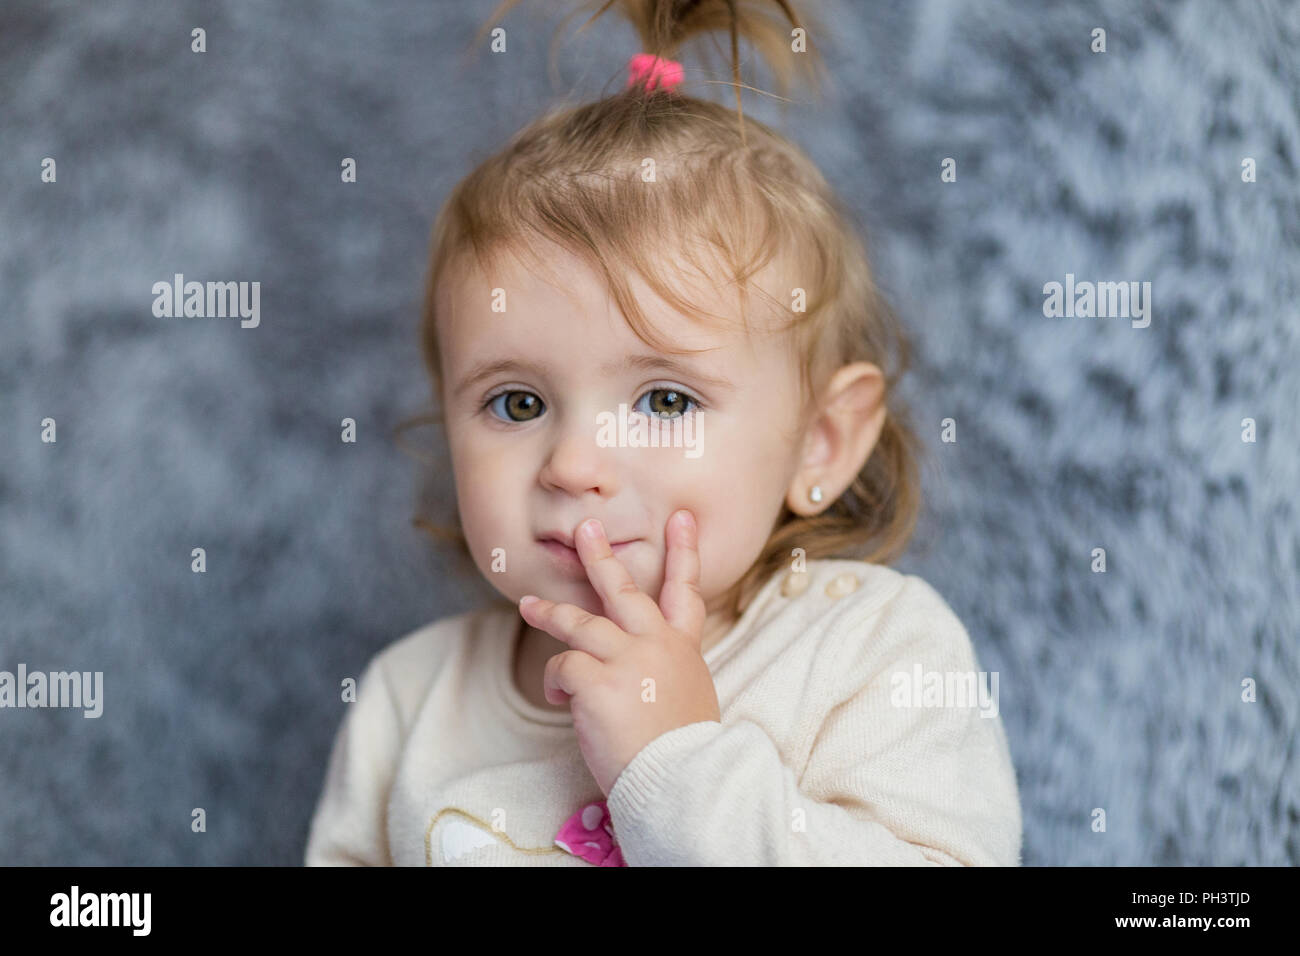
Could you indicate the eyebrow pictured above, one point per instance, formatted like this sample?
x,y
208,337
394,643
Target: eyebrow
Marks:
x,y
631,363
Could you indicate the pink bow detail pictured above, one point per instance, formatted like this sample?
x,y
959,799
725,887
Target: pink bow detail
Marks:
x,y
650,71
589,834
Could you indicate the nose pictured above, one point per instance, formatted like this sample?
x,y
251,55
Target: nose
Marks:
x,y
577,464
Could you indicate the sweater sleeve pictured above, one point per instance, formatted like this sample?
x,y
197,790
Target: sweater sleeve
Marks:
x,y
884,785
349,827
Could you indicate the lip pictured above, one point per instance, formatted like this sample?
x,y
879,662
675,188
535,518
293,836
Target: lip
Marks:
x,y
565,539
569,557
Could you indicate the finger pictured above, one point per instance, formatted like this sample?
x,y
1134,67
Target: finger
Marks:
x,y
566,674
626,604
569,623
680,598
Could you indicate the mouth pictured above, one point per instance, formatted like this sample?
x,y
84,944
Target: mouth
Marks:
x,y
569,557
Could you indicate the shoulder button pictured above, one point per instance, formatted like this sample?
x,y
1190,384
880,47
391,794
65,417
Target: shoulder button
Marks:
x,y
795,583
841,585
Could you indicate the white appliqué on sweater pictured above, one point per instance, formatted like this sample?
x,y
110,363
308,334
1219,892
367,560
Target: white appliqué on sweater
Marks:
x,y
459,838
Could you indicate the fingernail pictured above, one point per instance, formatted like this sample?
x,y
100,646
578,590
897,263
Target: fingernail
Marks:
x,y
526,600
592,528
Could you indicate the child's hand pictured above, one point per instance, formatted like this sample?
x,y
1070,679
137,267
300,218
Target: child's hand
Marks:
x,y
610,657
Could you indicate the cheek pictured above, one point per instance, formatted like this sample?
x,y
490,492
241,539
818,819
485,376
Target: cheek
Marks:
x,y
733,529
483,501
743,489
734,510
476,520
741,471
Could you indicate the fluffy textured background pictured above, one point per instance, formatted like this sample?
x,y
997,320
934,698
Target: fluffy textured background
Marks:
x,y
1119,691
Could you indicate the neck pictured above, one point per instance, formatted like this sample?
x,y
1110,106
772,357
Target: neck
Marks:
x,y
716,626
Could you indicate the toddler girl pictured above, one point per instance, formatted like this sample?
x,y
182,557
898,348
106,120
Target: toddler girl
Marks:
x,y
666,381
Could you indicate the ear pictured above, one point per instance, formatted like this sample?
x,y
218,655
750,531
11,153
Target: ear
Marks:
x,y
843,431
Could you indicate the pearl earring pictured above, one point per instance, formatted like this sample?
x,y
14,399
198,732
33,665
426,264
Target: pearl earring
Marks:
x,y
815,494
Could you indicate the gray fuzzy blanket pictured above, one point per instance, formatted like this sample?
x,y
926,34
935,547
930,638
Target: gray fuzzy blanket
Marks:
x,y
1121,691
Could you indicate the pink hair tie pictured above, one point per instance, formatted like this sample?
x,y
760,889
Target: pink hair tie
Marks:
x,y
648,70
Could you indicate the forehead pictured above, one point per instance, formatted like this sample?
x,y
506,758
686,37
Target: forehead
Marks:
x,y
553,302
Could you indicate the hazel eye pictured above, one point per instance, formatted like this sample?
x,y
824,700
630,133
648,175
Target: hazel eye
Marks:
x,y
673,403
519,406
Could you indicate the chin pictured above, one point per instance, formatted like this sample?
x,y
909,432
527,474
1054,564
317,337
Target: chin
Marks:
x,y
565,591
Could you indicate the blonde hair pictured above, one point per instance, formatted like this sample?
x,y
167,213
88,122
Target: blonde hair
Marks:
x,y
729,193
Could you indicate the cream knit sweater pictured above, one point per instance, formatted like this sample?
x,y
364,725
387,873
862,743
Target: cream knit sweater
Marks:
x,y
838,746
